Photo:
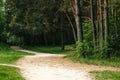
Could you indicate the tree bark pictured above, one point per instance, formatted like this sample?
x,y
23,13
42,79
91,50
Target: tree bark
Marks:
x,y
79,21
93,25
116,24
45,38
100,22
106,27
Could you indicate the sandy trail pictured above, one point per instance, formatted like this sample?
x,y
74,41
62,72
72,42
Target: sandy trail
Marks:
x,y
44,66
41,68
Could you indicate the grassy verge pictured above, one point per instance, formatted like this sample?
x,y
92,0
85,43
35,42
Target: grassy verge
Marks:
x,y
106,75
9,56
9,73
114,62
50,49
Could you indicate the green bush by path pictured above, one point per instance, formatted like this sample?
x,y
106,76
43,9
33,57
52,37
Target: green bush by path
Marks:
x,y
106,75
10,73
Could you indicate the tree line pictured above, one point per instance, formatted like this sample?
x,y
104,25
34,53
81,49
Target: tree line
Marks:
x,y
93,25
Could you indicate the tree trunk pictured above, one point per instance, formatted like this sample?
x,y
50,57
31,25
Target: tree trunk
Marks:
x,y
93,25
106,26
45,39
62,40
116,19
62,34
79,21
100,20
73,29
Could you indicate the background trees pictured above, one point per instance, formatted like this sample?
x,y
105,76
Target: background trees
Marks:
x,y
2,21
37,19
94,24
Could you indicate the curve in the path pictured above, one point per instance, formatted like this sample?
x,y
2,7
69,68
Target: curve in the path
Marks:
x,y
45,66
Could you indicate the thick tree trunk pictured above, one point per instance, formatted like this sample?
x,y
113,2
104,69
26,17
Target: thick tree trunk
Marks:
x,y
79,21
100,21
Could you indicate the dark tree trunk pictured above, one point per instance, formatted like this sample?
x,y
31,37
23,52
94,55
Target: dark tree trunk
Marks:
x,y
116,23
100,21
93,25
62,34
45,38
106,27
62,40
72,26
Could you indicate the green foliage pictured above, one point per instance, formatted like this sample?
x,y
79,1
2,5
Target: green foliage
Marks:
x,y
8,55
10,73
2,20
106,75
14,40
114,62
83,49
37,19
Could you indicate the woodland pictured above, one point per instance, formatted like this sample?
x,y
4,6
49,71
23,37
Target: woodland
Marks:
x,y
92,26
77,36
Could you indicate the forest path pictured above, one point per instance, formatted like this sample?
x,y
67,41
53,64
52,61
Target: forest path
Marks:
x,y
45,66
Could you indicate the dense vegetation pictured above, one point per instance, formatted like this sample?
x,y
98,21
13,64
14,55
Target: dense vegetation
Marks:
x,y
92,25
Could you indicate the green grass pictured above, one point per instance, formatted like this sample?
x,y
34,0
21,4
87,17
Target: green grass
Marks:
x,y
10,56
10,73
49,49
115,62
106,75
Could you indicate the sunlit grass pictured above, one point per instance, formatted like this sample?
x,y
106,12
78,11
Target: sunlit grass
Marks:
x,y
10,73
96,61
8,55
106,75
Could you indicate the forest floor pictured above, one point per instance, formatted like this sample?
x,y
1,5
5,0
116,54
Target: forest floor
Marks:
x,y
45,66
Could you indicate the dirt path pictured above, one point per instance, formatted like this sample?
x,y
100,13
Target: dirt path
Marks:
x,y
44,66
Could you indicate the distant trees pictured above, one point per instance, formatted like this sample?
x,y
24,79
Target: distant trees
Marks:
x,y
40,19
92,24
2,20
